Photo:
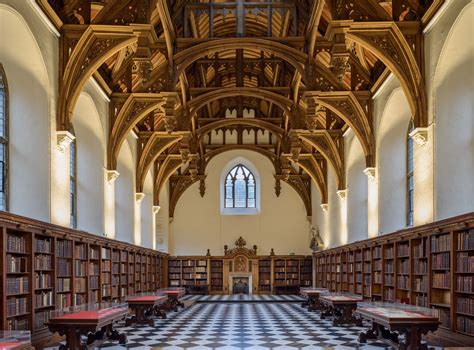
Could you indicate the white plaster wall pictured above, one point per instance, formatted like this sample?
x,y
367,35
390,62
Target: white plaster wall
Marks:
x,y
356,191
125,196
146,208
454,120
391,160
198,225
162,223
90,163
30,93
335,234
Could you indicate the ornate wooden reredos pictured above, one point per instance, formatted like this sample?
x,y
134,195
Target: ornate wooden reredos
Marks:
x,y
306,68
240,255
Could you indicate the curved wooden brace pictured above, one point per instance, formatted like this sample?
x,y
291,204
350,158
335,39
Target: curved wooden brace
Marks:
x,y
167,167
97,44
202,100
221,123
349,108
331,149
150,147
302,187
387,42
178,185
317,170
293,56
136,107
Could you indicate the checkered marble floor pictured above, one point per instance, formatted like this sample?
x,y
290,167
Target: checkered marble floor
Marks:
x,y
243,326
243,298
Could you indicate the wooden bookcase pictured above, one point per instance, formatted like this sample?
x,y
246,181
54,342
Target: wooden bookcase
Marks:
x,y
47,267
212,271
430,265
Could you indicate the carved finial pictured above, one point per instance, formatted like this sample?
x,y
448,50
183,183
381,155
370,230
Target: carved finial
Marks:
x,y
277,187
272,253
208,252
255,249
240,242
225,249
202,187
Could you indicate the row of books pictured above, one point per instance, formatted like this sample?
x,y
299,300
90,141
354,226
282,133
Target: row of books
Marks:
x,y
18,324
16,243
43,245
105,253
63,285
466,305
441,280
441,261
388,252
106,278
444,317
389,280
43,262
80,299
419,250
465,263
466,240
402,282
17,306
44,299
64,248
63,267
403,250
420,284
94,253
63,300
465,325
41,318
377,252
420,267
94,282
404,266
421,300
17,285
115,256
80,251
441,243
16,264
106,266
94,268
465,284
43,280
80,285
389,267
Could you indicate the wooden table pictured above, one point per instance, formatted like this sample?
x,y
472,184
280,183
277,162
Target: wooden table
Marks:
x,y
144,307
174,295
312,297
388,322
96,324
341,307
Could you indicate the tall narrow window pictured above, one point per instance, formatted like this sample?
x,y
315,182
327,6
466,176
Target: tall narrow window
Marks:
x,y
3,140
73,184
410,184
240,188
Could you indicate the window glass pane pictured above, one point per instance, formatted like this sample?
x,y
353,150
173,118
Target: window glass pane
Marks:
x,y
240,194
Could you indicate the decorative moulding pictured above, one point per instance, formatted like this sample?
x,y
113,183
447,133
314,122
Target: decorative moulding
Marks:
x,y
370,172
156,209
420,136
342,194
139,197
324,207
64,139
112,175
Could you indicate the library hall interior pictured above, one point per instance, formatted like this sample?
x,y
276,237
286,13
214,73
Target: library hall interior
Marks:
x,y
237,174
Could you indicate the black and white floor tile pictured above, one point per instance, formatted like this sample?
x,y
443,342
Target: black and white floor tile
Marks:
x,y
233,326
243,298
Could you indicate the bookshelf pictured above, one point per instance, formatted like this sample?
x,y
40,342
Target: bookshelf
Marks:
x,y
306,272
217,276
264,275
46,267
430,265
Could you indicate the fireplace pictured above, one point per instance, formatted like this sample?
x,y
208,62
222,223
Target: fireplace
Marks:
x,y
240,285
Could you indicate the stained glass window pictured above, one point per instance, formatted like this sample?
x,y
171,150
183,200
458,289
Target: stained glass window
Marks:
x,y
3,140
240,188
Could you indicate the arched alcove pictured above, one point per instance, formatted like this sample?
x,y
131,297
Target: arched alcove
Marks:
x,y
391,162
90,163
198,224
29,117
454,121
357,192
124,196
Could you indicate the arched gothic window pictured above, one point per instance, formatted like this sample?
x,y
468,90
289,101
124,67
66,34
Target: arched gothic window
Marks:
x,y
3,140
73,183
410,184
240,188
